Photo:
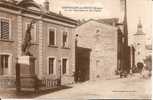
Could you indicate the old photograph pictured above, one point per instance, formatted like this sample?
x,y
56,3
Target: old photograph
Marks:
x,y
76,49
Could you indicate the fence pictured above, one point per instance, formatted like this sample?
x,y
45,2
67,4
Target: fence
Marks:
x,y
7,82
28,82
49,83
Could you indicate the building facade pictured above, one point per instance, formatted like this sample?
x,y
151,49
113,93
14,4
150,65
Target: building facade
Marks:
x,y
148,58
139,44
99,43
53,43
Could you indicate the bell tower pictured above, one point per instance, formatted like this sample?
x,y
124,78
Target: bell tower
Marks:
x,y
139,44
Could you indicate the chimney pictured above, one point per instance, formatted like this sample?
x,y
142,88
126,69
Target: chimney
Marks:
x,y
60,13
46,5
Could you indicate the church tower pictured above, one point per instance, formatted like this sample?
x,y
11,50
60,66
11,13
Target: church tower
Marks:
x,y
139,44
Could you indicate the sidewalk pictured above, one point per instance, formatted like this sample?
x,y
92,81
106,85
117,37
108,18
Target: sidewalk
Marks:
x,y
27,93
7,93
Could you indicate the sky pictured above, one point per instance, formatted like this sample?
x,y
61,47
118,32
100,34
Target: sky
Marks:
x,y
136,10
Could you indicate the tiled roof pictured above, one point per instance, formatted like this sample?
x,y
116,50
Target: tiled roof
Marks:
x,y
22,5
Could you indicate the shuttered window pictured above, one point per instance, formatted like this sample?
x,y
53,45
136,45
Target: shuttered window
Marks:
x,y
4,29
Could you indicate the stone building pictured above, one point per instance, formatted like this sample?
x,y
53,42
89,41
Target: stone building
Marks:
x,y
139,44
148,58
96,50
52,40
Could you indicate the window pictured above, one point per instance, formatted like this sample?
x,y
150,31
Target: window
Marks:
x,y
64,66
4,29
51,65
4,61
52,37
33,32
65,39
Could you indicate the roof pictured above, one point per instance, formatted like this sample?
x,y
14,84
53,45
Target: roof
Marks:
x,y
109,21
140,33
27,3
24,4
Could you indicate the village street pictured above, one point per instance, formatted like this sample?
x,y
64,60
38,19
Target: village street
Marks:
x,y
131,87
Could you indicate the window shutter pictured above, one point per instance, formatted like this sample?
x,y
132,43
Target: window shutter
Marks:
x,y
4,29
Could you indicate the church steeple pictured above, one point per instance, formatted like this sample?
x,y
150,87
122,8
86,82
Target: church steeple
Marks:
x,y
139,28
139,24
139,43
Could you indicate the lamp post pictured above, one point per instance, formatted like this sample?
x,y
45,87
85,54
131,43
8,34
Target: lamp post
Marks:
x,y
125,44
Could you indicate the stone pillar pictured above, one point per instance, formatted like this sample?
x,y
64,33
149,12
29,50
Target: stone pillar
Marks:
x,y
40,48
73,50
19,29
92,66
10,64
19,36
73,46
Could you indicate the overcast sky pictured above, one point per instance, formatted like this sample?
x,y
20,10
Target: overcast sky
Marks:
x,y
137,9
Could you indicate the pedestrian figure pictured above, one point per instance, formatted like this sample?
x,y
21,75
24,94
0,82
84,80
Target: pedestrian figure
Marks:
x,y
140,67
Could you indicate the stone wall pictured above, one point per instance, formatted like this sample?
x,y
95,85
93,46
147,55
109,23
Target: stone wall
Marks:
x,y
102,39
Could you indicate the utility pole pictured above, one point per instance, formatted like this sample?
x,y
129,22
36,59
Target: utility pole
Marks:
x,y
125,25
125,42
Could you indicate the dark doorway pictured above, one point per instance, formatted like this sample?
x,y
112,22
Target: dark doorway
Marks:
x,y
82,64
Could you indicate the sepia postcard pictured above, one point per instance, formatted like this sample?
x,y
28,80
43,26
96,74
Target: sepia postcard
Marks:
x,y
76,49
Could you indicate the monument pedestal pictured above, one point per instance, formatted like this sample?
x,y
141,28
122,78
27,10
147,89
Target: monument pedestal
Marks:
x,y
25,73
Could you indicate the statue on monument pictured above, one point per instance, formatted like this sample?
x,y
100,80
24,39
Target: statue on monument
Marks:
x,y
27,40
